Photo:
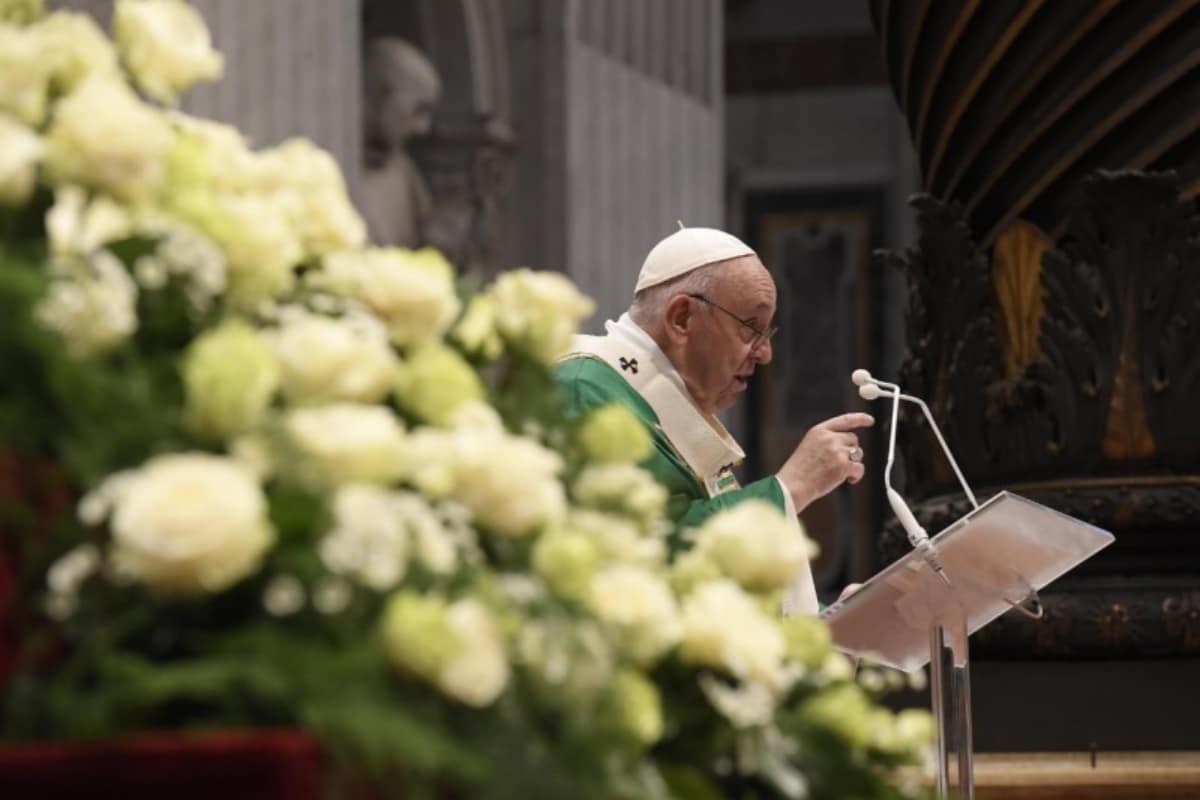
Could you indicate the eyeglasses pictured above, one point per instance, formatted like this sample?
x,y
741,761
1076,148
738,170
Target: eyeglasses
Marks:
x,y
757,335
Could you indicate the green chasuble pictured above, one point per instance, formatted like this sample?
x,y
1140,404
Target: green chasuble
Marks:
x,y
693,455
589,383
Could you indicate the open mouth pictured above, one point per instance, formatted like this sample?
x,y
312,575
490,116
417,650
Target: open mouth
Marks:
x,y
741,381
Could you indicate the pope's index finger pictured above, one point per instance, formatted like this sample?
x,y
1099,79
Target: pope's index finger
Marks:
x,y
850,422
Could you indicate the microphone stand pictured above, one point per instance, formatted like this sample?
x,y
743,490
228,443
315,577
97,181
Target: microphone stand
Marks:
x,y
948,631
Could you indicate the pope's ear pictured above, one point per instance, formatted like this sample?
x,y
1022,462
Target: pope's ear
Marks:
x,y
678,317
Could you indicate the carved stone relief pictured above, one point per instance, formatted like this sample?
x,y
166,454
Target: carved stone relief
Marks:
x,y
1066,370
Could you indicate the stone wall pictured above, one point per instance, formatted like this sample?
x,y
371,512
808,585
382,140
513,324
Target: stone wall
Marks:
x,y
292,68
618,113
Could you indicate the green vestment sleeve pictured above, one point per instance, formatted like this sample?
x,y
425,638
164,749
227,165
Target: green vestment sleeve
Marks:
x,y
588,384
767,488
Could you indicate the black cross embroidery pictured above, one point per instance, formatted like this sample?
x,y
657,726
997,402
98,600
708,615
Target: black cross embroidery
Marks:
x,y
629,364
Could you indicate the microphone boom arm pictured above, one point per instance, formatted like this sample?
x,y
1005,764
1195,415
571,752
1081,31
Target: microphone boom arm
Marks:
x,y
945,449
869,389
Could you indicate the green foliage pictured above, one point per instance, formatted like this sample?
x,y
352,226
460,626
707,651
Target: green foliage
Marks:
x,y
106,415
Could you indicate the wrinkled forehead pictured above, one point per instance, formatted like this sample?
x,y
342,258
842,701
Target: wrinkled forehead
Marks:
x,y
746,283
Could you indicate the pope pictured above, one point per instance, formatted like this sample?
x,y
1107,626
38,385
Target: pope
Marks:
x,y
700,324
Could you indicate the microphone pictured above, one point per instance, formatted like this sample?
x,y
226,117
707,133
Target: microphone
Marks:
x,y
870,388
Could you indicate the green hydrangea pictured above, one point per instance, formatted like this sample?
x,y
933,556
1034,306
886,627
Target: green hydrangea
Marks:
x,y
417,634
229,379
435,383
20,12
613,433
636,708
567,559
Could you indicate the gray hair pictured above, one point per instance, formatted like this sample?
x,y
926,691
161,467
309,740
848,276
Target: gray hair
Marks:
x,y
650,304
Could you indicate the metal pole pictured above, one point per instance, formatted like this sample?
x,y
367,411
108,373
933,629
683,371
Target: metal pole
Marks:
x,y
937,691
963,734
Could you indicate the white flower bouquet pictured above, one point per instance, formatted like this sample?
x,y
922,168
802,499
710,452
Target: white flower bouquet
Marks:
x,y
318,484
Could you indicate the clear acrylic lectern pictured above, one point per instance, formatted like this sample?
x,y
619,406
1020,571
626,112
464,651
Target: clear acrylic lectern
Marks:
x,y
994,559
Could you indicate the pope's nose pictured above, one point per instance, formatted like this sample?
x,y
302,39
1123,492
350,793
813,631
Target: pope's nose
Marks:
x,y
762,352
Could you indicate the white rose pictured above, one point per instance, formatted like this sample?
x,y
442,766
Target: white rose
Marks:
x,y
412,291
79,225
103,137
54,54
618,538
24,76
345,443
477,415
253,451
74,49
756,545
310,184
510,483
93,310
20,152
324,359
479,672
724,628
539,312
190,523
209,156
429,461
623,488
638,609
165,45
254,233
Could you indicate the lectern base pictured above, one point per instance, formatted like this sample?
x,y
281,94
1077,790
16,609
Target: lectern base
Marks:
x,y
950,687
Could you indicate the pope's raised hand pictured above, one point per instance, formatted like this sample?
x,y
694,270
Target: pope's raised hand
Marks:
x,y
828,456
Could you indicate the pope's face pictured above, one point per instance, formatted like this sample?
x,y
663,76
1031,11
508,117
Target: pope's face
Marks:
x,y
721,352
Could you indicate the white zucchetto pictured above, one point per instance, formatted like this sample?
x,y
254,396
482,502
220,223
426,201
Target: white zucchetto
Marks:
x,y
685,250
